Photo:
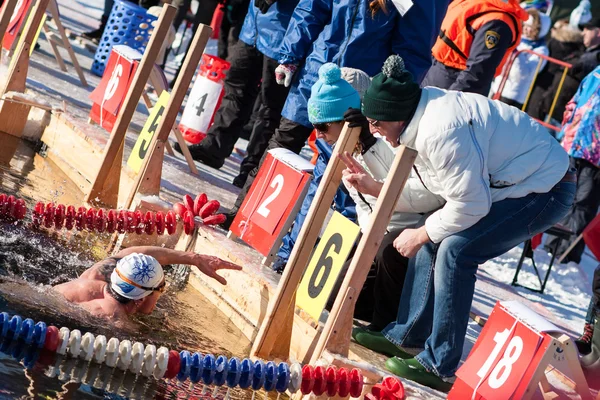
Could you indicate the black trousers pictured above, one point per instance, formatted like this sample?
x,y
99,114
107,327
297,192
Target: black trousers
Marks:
x,y
363,309
391,269
585,207
290,135
379,298
251,73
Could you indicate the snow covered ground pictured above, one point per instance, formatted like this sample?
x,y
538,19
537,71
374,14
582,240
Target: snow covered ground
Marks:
x,y
567,292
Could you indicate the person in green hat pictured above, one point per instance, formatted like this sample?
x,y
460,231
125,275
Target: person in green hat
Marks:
x,y
504,179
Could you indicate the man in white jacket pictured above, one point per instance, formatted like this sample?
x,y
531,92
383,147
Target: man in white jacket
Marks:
x,y
504,179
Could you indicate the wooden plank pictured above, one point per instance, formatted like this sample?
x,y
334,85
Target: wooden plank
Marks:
x,y
159,83
571,247
281,309
13,117
53,5
148,180
572,357
5,15
113,156
50,38
336,334
19,64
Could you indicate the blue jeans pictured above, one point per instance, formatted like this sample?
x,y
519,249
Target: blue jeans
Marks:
x,y
440,281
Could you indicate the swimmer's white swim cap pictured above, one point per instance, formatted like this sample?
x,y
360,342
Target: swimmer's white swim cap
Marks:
x,y
137,276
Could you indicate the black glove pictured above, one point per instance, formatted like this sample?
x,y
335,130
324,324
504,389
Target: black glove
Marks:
x,y
263,5
355,119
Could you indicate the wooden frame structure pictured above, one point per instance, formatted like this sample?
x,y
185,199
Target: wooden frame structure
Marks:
x,y
147,182
62,40
105,187
274,337
13,116
5,15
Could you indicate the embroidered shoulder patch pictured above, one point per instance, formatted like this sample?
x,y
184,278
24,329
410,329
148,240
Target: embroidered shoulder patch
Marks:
x,y
491,39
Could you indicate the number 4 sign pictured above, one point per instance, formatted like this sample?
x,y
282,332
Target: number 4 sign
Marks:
x,y
510,357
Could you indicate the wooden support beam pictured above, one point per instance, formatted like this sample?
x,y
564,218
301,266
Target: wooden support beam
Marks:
x,y
51,38
160,86
148,180
53,8
335,337
271,342
5,15
107,180
19,64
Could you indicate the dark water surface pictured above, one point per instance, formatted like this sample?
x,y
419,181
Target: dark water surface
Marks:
x,y
31,261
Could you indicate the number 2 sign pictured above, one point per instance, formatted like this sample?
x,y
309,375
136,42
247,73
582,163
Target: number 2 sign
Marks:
x,y
272,201
325,265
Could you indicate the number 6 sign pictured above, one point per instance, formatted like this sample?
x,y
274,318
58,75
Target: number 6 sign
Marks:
x,y
272,202
326,263
110,92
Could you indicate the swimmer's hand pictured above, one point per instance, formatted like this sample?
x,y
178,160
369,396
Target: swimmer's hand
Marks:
x,y
209,265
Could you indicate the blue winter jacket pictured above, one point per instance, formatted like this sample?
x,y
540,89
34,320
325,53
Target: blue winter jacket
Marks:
x,y
342,203
272,25
343,32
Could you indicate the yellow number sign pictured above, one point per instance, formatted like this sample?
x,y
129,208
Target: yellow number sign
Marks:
x,y
325,265
143,143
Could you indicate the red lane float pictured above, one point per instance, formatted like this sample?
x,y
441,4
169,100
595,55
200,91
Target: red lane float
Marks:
x,y
11,208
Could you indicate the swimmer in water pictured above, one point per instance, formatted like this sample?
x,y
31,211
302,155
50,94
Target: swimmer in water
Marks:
x,y
132,281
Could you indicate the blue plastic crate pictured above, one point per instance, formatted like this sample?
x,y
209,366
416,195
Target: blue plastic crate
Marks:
x,y
127,24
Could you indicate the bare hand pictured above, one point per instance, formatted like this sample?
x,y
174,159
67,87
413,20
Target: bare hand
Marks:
x,y
209,265
410,241
357,177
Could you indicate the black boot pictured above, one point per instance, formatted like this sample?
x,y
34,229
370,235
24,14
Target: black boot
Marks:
x,y
584,343
200,154
96,35
591,362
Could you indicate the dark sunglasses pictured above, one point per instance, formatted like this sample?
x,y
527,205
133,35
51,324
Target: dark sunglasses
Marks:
x,y
323,127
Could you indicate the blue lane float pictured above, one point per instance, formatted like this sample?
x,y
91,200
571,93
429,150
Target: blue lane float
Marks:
x,y
23,339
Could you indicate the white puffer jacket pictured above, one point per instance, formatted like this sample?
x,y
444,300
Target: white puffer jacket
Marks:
x,y
474,151
377,161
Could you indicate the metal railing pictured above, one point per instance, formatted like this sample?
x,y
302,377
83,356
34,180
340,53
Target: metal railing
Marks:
x,y
541,57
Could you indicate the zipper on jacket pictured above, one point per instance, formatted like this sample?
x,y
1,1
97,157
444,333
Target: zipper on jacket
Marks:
x,y
349,34
255,26
480,153
419,175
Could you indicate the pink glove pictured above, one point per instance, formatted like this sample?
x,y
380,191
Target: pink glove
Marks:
x,y
284,74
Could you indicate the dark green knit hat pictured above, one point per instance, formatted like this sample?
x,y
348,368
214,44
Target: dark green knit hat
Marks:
x,y
393,94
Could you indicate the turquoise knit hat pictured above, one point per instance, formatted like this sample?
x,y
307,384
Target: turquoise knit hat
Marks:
x,y
331,96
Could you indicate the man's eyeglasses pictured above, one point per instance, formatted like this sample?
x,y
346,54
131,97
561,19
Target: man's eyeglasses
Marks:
x,y
373,122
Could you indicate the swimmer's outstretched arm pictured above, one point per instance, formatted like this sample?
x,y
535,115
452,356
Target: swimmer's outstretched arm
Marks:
x,y
208,265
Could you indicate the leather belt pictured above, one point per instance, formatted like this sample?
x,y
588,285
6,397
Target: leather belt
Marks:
x,y
570,176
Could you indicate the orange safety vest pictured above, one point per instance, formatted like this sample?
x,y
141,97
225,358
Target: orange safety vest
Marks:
x,y
464,18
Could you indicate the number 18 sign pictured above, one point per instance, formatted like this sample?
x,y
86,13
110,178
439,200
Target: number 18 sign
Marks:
x,y
511,355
